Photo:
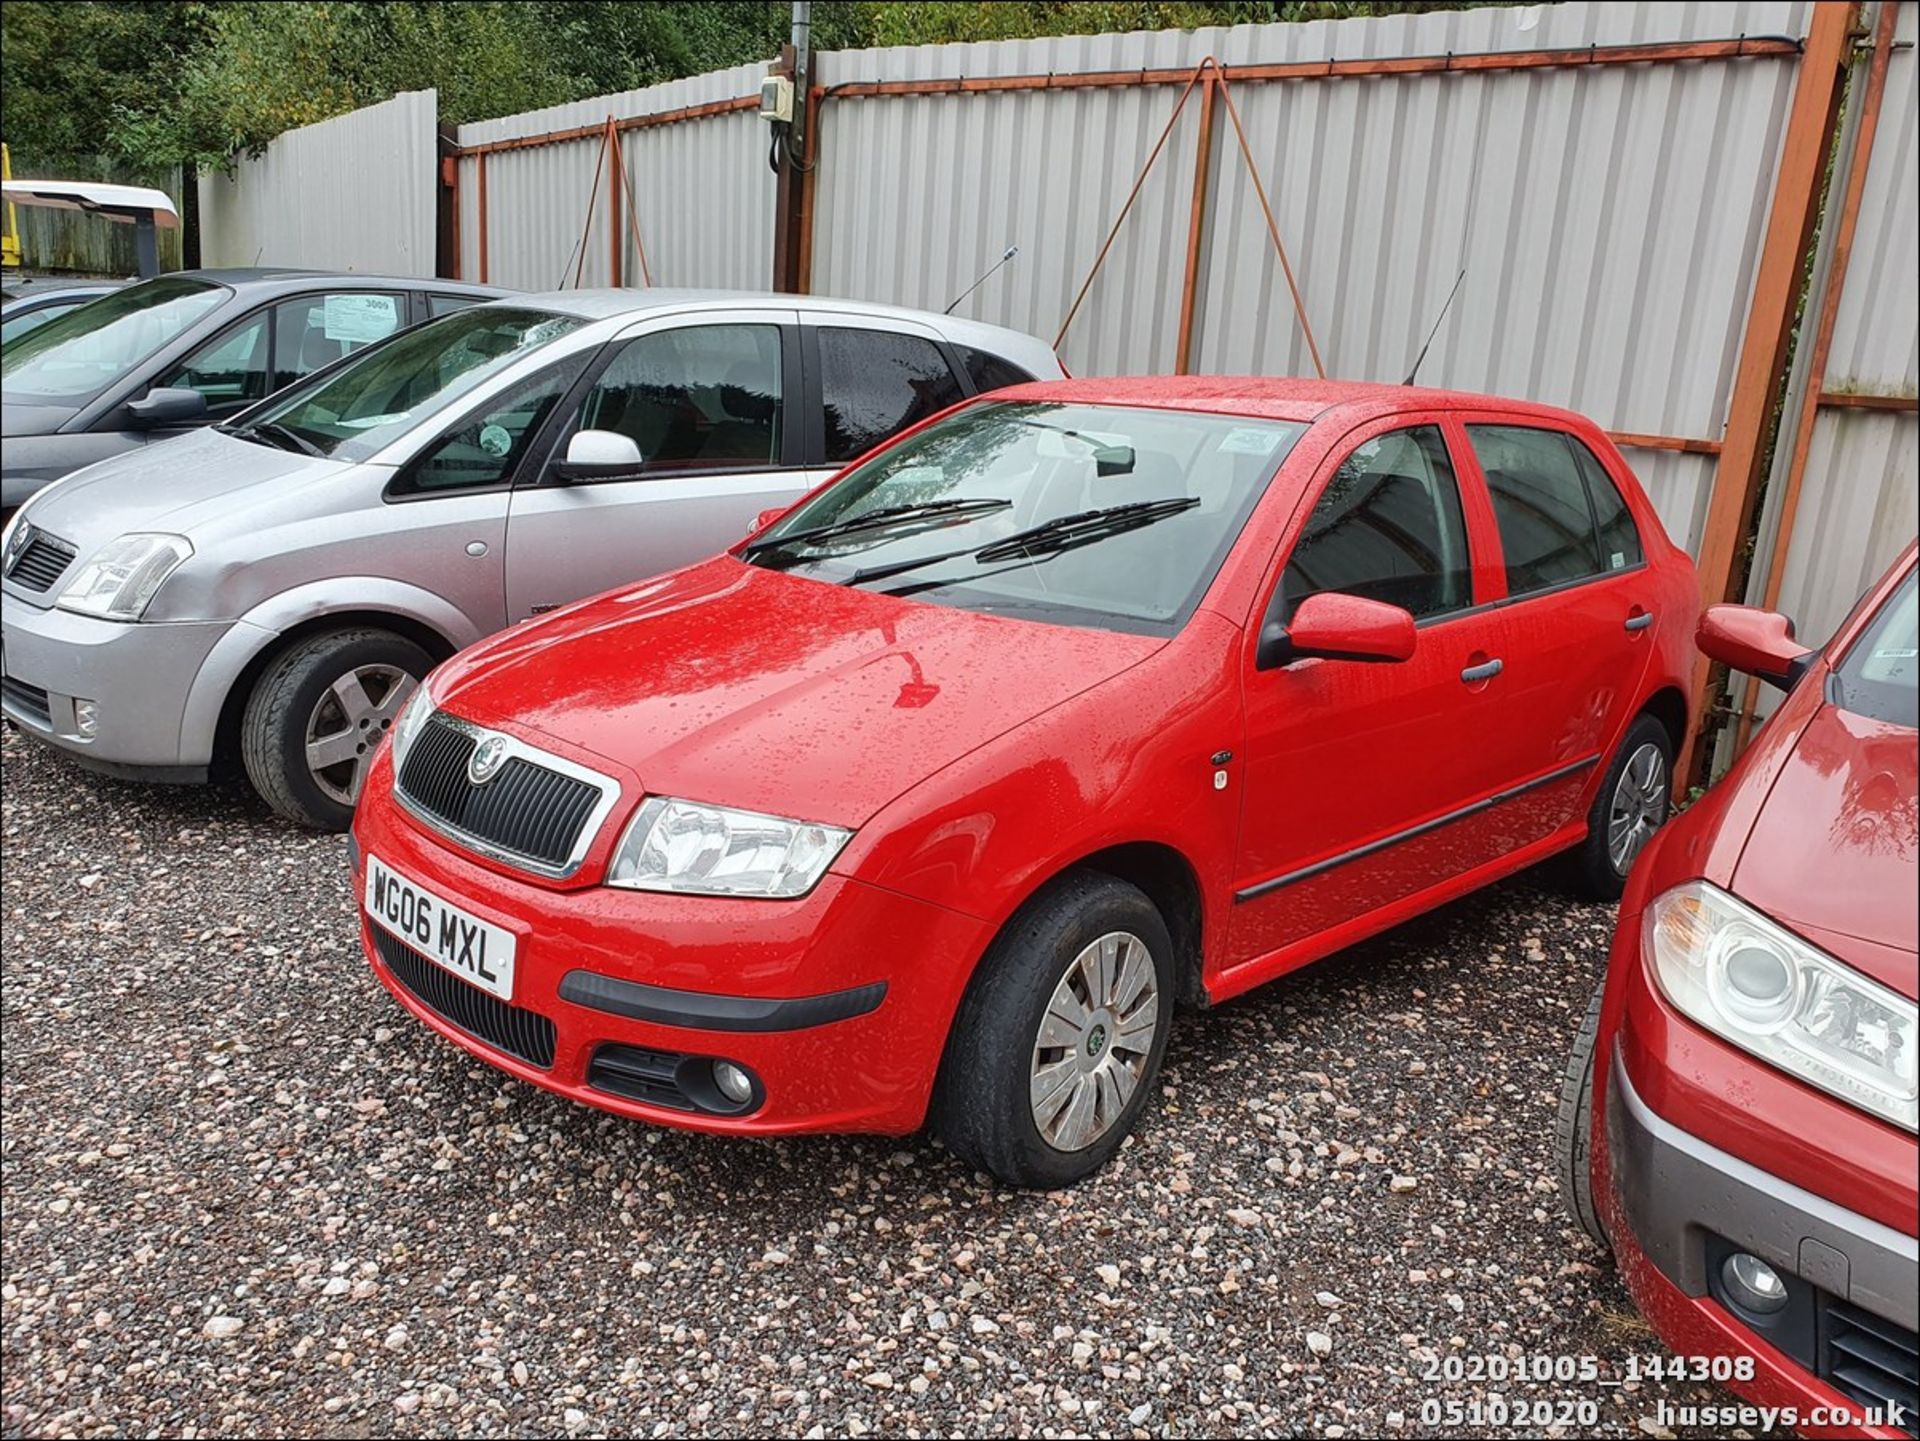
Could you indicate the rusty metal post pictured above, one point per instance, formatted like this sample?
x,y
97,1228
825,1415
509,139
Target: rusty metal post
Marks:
x,y
1763,351
446,260
1196,224
616,189
1836,282
480,207
809,175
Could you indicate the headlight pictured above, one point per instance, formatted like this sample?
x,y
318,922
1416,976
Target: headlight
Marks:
x,y
715,851
123,575
1747,980
13,539
413,715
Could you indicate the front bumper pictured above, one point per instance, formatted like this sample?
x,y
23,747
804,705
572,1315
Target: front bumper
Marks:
x,y
1677,1207
838,1002
138,675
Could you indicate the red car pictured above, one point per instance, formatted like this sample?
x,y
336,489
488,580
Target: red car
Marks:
x,y
1739,1116
1087,698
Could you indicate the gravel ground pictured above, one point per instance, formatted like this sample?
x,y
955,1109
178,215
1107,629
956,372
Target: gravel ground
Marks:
x,y
245,1194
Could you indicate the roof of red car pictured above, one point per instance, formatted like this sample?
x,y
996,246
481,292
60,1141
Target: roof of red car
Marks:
x,y
1267,397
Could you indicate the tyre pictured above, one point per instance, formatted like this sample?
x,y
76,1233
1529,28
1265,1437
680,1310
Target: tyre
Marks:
x,y
316,714
1573,1128
1632,803
1058,1041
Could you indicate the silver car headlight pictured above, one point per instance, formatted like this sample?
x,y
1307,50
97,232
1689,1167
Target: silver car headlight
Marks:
x,y
717,851
1735,972
413,716
122,577
13,539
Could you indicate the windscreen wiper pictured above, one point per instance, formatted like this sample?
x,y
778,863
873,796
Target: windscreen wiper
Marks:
x,y
1049,538
887,517
277,435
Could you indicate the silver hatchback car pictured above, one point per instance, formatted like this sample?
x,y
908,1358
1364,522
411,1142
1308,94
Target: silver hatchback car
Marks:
x,y
268,592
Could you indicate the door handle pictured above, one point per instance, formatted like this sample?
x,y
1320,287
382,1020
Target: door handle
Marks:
x,y
1487,670
1640,621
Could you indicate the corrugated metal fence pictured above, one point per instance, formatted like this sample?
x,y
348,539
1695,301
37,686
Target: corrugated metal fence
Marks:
x,y
533,191
1622,184
353,193
1846,471
1608,216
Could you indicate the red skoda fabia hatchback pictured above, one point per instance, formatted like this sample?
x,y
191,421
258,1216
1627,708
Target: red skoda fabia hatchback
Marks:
x,y
931,800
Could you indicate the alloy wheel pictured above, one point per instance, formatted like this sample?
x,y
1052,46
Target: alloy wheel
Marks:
x,y
1639,806
347,723
1094,1042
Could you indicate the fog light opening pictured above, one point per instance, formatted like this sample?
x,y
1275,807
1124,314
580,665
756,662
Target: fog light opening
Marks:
x,y
733,1082
86,717
1753,1285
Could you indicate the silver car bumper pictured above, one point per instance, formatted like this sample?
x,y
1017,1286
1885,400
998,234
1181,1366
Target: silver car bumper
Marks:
x,y
139,678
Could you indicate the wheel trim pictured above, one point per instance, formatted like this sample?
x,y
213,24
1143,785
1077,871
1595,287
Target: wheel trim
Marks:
x,y
346,723
1094,1041
1638,807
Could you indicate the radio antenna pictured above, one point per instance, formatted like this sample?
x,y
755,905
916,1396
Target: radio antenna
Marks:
x,y
1445,307
1012,250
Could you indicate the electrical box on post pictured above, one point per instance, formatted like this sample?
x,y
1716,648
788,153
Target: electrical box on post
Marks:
x,y
776,99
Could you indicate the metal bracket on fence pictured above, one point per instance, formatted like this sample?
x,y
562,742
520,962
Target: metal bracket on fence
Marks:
x,y
610,158
1213,75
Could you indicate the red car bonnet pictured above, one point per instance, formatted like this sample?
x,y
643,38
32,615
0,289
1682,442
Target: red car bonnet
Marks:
x,y
733,684
1836,846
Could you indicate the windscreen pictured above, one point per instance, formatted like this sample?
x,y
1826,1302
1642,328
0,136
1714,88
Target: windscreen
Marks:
x,y
75,356
354,411
1880,676
1103,516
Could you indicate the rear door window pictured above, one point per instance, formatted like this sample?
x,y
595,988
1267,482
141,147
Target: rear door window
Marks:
x,y
876,383
1549,497
1388,527
988,371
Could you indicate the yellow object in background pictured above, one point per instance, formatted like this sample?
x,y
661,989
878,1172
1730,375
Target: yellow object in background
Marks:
x,y
10,240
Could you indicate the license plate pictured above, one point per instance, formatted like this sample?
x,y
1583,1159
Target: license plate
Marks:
x,y
476,951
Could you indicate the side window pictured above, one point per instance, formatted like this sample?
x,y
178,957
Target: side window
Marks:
x,y
1388,527
317,330
706,397
874,383
439,305
230,370
988,371
1619,536
486,446
1546,508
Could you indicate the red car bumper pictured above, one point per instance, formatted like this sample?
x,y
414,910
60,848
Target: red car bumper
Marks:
x,y
1701,1152
838,1003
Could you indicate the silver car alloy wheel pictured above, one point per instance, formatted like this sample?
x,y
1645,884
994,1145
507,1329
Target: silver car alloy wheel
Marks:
x,y
347,723
1639,806
1094,1042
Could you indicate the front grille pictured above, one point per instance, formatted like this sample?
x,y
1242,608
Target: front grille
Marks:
x,y
29,700
518,1032
40,561
640,1075
1872,1361
526,811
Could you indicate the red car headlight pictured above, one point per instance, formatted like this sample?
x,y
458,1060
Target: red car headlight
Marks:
x,y
1732,970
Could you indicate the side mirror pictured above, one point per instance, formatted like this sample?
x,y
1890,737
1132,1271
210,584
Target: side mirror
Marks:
x,y
1333,626
168,405
599,455
767,518
1757,642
